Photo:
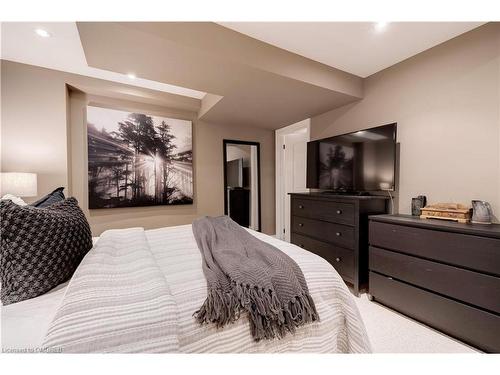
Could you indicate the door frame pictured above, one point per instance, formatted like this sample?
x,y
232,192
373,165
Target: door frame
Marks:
x,y
280,135
225,142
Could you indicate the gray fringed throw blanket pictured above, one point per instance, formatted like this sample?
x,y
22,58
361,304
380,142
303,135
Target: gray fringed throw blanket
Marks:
x,y
246,274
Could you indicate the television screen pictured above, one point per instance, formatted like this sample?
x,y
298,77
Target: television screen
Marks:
x,y
355,162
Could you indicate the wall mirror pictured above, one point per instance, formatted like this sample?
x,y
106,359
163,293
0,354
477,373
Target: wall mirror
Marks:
x,y
242,182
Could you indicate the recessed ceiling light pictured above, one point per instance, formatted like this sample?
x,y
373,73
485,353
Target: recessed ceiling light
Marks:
x,y
43,33
380,26
131,76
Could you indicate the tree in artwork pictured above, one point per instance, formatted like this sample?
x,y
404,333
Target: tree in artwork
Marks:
x,y
139,162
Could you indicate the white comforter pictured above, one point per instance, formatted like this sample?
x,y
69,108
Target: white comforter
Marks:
x,y
24,324
136,291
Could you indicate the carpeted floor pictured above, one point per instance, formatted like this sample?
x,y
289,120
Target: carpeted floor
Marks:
x,y
391,332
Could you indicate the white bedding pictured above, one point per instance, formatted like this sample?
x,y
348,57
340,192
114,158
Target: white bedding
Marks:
x,y
176,276
24,324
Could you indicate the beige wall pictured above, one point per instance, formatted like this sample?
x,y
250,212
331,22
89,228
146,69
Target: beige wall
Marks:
x,y
43,131
446,103
34,124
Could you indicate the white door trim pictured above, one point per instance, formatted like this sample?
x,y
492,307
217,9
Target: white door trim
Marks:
x,y
280,185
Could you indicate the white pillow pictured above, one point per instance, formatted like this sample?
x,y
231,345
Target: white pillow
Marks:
x,y
15,199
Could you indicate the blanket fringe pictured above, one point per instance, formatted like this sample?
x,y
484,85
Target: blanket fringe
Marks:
x,y
269,318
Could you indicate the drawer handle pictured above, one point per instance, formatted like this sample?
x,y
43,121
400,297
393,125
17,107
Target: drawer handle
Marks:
x,y
301,225
300,206
338,234
302,246
339,212
338,259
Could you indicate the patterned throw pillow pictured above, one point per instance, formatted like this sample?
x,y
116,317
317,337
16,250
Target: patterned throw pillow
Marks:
x,y
40,247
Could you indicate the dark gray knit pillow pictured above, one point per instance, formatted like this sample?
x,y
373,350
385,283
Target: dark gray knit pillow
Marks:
x,y
40,247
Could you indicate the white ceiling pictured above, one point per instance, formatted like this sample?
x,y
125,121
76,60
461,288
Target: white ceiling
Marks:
x,y
355,47
359,48
63,51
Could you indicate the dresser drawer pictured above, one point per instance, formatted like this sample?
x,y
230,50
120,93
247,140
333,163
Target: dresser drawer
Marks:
x,y
468,286
473,252
335,212
474,326
341,259
337,234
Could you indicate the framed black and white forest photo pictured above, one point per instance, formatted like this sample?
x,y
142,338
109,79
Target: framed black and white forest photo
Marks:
x,y
136,159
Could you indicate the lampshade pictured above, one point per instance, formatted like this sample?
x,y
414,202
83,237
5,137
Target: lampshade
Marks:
x,y
19,184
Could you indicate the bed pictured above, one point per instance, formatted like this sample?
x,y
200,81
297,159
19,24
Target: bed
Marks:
x,y
136,291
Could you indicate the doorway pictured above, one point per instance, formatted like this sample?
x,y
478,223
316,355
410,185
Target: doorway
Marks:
x,y
291,168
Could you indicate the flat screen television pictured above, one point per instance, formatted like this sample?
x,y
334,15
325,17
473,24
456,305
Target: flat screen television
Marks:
x,y
361,161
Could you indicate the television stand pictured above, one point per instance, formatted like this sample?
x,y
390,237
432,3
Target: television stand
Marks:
x,y
347,193
335,227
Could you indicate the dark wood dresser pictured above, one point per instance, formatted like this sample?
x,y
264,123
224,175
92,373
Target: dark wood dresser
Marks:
x,y
444,274
335,227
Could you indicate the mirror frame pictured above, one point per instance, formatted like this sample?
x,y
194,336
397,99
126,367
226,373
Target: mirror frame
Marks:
x,y
225,142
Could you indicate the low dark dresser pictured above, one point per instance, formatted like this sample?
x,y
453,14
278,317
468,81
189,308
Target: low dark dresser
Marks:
x,y
444,274
335,227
